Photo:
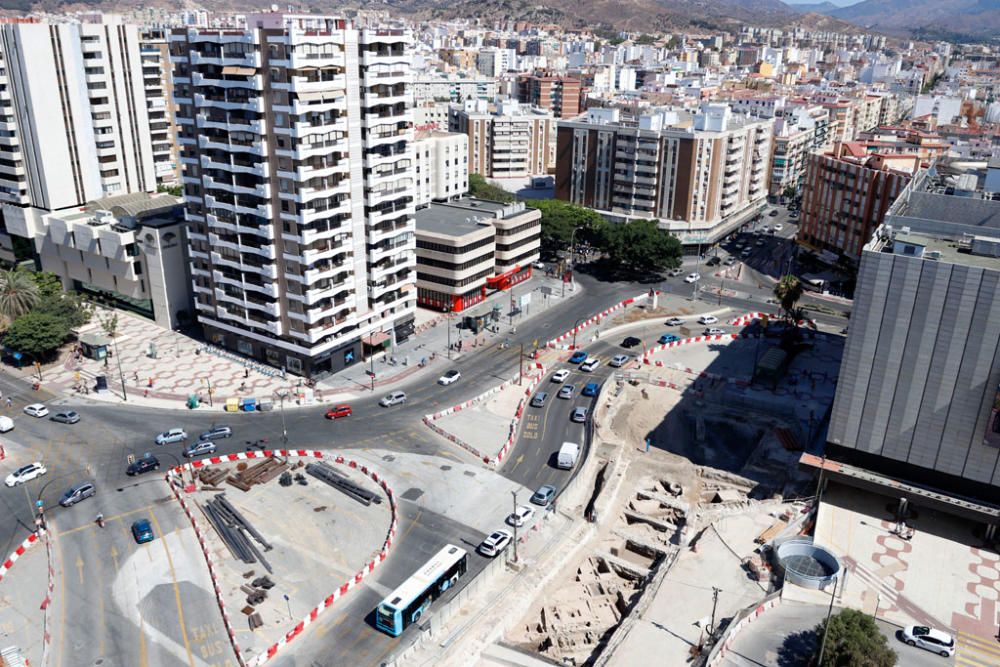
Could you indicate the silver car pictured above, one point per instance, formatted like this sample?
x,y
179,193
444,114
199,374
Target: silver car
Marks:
x,y
199,448
77,493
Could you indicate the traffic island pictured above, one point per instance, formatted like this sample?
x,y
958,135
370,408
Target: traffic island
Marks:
x,y
285,535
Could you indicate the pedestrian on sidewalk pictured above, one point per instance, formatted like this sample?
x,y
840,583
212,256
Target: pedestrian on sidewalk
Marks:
x,y
10,401
246,372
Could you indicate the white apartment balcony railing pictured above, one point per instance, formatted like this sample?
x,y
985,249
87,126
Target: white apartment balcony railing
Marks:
x,y
260,169
232,124
301,84
204,141
250,59
301,60
255,104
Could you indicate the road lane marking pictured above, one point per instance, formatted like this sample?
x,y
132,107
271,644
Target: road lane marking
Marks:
x,y
143,655
87,525
517,462
79,567
177,590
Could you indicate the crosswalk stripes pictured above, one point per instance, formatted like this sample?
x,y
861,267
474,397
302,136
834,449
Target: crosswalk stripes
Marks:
x,y
873,581
977,651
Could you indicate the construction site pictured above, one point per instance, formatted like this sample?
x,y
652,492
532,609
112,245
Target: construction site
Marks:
x,y
286,533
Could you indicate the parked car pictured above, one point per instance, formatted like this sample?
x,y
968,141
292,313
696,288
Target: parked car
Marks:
x,y
619,360
25,474
730,261
36,410
338,411
142,531
674,322
714,331
216,432
449,377
692,278
590,389
544,495
495,543
778,227
143,465
393,398
590,365
928,638
566,391
773,213
668,338
538,400
714,261
560,375
69,417
746,252
6,424
708,319
199,448
520,516
673,273
579,414
760,242
171,436
578,357
77,493
630,342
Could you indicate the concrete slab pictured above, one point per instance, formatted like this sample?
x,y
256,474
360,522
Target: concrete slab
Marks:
x,y
21,594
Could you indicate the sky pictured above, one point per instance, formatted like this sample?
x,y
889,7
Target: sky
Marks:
x,y
839,3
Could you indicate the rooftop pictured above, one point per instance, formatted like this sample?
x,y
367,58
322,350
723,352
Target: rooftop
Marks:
x,y
491,209
450,220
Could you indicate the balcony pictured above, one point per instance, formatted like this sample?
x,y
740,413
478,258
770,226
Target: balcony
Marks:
x,y
208,142
301,60
231,124
254,104
302,84
383,58
259,169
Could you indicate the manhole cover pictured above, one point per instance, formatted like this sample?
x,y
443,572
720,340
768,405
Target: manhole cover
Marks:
x,y
446,468
412,494
470,473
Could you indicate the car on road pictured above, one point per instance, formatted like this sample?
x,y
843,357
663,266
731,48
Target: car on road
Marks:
x,y
714,261
216,432
539,399
578,357
708,319
793,215
69,417
544,495
142,531
773,213
77,493
590,365
449,377
560,375
714,331
338,411
746,252
199,448
673,273
143,465
171,436
778,227
495,543
6,424
675,322
668,338
730,261
579,414
630,342
566,391
393,398
928,638
36,410
520,516
760,242
25,473
692,278
590,389
619,360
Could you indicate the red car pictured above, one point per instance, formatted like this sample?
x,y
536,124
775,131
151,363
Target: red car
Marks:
x,y
338,411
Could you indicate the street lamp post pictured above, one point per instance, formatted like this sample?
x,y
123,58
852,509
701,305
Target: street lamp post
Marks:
x,y
826,626
371,359
575,325
514,493
447,320
572,256
121,373
282,394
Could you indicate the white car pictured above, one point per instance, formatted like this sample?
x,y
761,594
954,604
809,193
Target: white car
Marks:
x,y
708,319
618,360
746,251
495,543
777,228
714,331
590,364
928,638
25,473
730,261
36,410
171,436
675,322
449,377
692,278
521,515
560,376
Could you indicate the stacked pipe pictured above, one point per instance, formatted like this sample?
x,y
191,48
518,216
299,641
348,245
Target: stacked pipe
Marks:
x,y
233,528
326,473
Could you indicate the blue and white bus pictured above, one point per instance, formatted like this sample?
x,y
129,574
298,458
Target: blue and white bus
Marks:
x,y
408,603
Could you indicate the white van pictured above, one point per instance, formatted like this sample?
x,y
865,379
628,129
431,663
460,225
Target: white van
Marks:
x,y
567,456
6,424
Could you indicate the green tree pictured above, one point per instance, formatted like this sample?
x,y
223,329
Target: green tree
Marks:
x,y
109,324
36,333
18,294
641,246
48,284
788,291
853,640
68,307
560,218
175,190
481,188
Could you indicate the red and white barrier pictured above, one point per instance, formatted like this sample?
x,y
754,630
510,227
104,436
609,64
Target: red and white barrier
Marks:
x,y
174,481
734,630
557,342
747,318
17,553
47,603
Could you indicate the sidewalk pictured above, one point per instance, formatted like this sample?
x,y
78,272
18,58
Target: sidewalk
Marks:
x,y
24,596
162,368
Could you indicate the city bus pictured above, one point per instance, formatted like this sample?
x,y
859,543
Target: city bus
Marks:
x,y
407,604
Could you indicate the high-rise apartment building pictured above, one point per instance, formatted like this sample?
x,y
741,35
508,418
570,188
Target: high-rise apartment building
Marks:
x,y
799,131
558,94
512,141
442,166
74,126
298,176
699,176
160,106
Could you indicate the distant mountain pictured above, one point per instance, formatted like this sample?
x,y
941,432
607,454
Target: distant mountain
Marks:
x,y
926,18
826,8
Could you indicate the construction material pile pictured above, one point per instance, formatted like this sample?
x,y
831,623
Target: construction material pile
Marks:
x,y
234,529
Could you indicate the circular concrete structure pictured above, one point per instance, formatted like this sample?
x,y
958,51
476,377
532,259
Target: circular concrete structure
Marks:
x,y
807,564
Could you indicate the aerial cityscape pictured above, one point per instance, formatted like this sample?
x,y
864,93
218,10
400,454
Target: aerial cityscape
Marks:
x,y
500,334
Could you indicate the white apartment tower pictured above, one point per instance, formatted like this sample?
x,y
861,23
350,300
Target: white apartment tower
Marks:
x,y
74,125
298,174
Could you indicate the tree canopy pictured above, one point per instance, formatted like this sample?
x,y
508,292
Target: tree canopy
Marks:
x,y
18,294
560,218
788,291
68,307
483,189
854,639
641,246
39,334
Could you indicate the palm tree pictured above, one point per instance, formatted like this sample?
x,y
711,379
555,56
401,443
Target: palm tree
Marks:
x,y
788,291
18,294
